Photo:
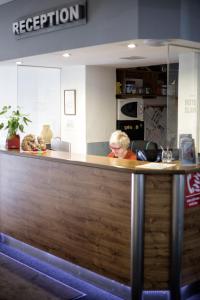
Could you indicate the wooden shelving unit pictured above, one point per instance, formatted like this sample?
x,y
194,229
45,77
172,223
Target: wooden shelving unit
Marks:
x,y
125,96
154,80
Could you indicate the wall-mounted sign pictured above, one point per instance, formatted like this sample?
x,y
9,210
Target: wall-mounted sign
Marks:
x,y
192,190
69,102
70,15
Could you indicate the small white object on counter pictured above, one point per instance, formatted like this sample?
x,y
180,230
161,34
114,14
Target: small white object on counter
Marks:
x,y
156,166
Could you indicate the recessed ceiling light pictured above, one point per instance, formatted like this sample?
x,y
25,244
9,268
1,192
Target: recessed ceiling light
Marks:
x,y
131,45
18,62
66,54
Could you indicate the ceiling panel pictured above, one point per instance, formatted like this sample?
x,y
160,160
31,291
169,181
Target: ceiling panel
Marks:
x,y
114,54
5,1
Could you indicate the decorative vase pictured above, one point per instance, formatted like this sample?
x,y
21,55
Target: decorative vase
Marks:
x,y
13,142
46,134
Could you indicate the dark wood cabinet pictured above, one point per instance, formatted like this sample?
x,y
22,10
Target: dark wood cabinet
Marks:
x,y
146,82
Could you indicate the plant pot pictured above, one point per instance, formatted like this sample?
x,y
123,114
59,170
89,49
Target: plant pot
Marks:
x,y
13,142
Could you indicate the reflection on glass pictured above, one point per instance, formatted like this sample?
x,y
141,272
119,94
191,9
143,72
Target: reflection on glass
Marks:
x,y
182,94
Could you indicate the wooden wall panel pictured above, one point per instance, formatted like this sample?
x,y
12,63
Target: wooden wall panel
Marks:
x,y
157,231
79,213
191,246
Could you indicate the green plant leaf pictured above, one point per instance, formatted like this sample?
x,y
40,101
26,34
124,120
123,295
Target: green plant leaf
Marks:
x,y
21,128
15,120
26,120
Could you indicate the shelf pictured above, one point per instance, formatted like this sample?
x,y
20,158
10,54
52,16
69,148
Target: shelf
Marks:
x,y
144,82
125,96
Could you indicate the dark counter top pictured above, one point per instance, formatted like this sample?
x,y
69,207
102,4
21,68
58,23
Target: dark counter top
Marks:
x,y
122,165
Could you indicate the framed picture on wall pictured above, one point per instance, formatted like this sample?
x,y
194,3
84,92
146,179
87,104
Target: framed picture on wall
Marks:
x,y
69,102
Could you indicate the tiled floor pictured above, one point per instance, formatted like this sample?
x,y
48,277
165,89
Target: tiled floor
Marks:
x,y
40,281
21,282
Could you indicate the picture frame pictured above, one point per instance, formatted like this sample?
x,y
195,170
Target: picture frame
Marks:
x,y
70,102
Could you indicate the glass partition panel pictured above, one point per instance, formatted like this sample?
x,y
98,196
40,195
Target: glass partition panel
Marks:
x,y
183,94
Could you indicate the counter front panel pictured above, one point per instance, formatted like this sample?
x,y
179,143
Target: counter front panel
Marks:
x,y
79,213
79,209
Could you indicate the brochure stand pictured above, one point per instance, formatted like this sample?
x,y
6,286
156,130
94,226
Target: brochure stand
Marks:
x,y
187,149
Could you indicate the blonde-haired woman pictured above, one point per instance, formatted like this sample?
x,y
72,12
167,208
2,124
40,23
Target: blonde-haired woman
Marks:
x,y
119,143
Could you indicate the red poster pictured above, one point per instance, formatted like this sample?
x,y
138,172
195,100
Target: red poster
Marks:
x,y
192,190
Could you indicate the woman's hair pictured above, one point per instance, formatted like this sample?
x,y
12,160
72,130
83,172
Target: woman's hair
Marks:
x,y
120,138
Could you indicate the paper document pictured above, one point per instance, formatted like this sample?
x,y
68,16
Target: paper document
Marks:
x,y
156,166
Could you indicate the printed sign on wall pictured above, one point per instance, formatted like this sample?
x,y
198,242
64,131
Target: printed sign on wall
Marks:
x,y
192,190
155,124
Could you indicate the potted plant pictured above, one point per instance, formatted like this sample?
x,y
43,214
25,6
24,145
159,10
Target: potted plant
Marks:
x,y
15,122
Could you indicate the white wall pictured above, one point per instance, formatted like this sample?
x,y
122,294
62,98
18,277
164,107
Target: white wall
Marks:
x,y
189,95
39,96
8,92
40,93
95,117
8,85
100,103
73,126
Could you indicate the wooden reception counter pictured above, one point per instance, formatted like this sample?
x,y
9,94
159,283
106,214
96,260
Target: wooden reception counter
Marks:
x,y
107,215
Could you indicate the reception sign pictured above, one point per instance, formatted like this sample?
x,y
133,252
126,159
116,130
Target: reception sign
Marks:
x,y
69,15
192,190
